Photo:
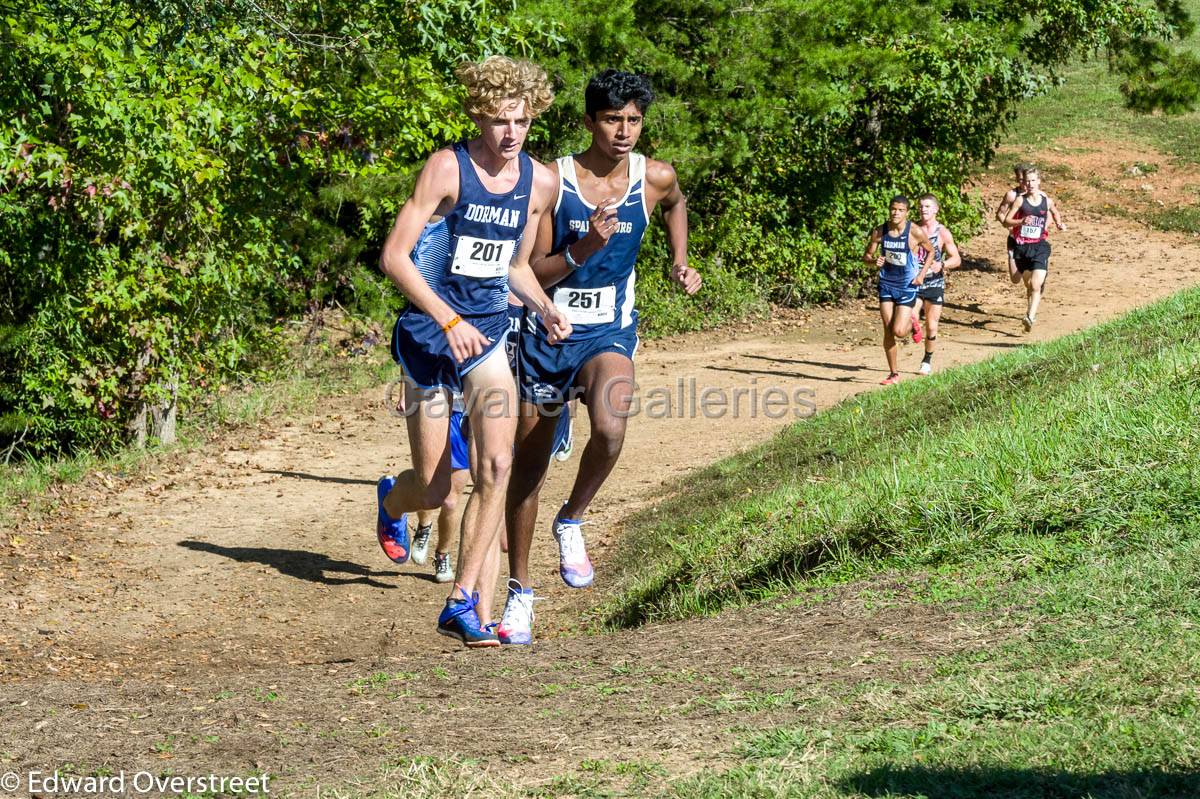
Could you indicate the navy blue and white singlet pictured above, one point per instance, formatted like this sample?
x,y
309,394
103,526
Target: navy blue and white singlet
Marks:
x,y
900,264
464,257
598,297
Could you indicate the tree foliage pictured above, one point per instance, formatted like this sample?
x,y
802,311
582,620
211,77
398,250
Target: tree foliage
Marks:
x,y
178,176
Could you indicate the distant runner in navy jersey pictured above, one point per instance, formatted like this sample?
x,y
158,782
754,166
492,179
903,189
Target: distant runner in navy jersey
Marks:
x,y
458,245
1012,197
1028,219
587,251
932,293
901,273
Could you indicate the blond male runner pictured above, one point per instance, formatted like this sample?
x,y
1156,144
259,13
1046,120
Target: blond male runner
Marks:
x,y
458,245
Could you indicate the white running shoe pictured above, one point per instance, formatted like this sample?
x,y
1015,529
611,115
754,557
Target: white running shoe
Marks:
x,y
925,368
573,564
516,625
420,544
443,570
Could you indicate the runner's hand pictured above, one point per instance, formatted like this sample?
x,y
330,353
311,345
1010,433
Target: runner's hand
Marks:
x,y
687,277
466,341
601,225
880,262
558,327
919,279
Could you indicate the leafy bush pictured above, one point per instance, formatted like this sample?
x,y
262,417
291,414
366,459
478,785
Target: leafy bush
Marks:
x,y
177,177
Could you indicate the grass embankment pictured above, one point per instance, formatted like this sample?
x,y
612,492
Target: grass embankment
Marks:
x,y
1055,490
1039,459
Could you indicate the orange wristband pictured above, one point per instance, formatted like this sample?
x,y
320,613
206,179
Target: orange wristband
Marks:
x,y
446,327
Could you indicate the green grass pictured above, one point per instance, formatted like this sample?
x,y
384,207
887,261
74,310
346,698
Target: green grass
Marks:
x,y
1096,697
1184,220
1088,104
1051,495
1026,462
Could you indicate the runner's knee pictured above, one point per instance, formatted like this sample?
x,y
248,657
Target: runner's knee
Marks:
x,y
609,436
494,468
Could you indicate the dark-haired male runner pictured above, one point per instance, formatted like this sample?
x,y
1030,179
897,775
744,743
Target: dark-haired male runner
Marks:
x,y
900,275
1012,197
587,251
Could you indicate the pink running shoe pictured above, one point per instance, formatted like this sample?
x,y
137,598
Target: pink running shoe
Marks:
x,y
890,380
917,333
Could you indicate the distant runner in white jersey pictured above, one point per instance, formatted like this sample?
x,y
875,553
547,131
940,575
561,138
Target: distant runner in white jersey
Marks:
x,y
932,294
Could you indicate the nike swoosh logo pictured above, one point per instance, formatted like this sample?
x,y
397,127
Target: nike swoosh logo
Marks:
x,y
520,196
633,202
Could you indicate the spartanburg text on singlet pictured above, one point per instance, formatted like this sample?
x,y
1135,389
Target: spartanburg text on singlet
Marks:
x,y
465,256
599,295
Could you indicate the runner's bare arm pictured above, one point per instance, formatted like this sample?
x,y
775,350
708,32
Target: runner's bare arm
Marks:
x,y
951,257
873,245
1006,203
435,194
552,268
1053,208
665,185
522,280
1013,219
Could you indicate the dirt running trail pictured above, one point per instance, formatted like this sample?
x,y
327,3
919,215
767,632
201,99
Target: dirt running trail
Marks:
x,y
254,565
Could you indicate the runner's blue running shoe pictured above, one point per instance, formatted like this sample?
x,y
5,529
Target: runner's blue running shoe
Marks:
x,y
459,620
392,533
